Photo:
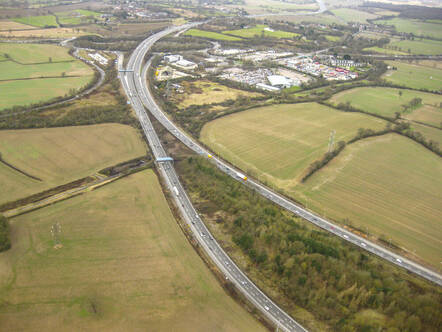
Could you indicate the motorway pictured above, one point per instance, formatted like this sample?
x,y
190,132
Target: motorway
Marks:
x,y
134,83
134,86
149,102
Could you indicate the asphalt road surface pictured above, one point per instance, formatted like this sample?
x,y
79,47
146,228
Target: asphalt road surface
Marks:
x,y
149,102
134,86
140,97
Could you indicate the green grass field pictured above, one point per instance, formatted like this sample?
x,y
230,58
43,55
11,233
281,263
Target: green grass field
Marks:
x,y
390,185
414,75
380,50
49,67
210,35
35,53
77,17
259,30
353,15
332,38
124,265
61,155
387,101
281,141
38,21
423,47
418,28
430,133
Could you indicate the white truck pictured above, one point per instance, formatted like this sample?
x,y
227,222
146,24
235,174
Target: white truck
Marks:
x,y
241,176
175,189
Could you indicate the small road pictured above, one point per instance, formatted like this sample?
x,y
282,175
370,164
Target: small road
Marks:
x,y
134,85
149,102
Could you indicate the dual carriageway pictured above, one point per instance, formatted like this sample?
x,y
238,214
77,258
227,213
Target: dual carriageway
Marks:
x,y
141,98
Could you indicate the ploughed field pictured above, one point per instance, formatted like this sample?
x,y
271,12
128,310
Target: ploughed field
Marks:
x,y
61,155
124,265
32,73
391,186
387,101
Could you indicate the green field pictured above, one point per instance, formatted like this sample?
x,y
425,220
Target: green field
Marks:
x,y
53,71
414,75
35,53
406,47
38,21
418,28
353,15
430,133
390,185
380,50
260,30
210,35
61,155
423,47
77,17
281,141
332,38
124,266
387,101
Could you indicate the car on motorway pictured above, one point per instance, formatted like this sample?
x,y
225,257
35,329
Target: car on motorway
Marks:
x,y
266,308
345,236
363,244
398,260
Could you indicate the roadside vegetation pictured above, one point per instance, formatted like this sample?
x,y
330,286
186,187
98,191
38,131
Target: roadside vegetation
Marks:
x,y
340,287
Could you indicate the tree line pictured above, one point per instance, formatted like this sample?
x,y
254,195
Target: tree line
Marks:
x,y
305,267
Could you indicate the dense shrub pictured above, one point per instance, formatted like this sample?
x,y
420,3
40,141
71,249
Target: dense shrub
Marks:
x,y
5,241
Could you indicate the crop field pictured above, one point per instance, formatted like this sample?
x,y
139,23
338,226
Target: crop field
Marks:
x,y
279,142
418,76
423,47
77,17
387,101
430,133
353,15
210,35
332,38
418,28
274,6
380,50
38,72
58,33
259,30
11,25
205,92
124,265
38,21
61,155
389,185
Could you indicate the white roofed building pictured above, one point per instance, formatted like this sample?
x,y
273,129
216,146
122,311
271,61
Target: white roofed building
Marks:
x,y
280,81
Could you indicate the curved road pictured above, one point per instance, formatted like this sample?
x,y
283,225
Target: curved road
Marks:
x,y
149,102
139,95
133,84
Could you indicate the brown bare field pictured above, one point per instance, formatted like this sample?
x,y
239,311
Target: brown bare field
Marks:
x,y
124,266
